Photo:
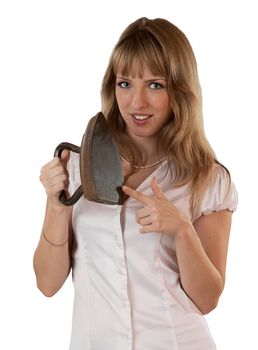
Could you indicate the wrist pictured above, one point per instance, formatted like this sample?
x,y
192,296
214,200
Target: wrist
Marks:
x,y
53,243
185,230
57,208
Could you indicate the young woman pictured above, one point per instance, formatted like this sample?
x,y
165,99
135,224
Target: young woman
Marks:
x,y
144,272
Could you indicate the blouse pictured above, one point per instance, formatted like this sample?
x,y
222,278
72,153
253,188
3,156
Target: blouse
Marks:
x,y
127,291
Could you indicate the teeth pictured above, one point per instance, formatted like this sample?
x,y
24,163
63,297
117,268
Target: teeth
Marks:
x,y
141,117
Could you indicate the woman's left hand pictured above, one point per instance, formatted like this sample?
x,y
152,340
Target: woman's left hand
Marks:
x,y
158,213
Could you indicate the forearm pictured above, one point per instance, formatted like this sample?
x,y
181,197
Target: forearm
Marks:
x,y
52,262
199,277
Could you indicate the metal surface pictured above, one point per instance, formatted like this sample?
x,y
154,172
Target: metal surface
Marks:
x,y
100,167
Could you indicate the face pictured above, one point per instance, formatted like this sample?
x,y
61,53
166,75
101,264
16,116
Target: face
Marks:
x,y
143,103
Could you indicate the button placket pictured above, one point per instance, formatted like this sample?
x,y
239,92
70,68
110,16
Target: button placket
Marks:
x,y
122,270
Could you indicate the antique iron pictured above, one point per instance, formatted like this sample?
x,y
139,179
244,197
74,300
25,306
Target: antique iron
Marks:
x,y
100,167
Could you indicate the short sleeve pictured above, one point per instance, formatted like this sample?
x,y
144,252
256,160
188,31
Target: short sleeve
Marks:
x,y
222,194
73,168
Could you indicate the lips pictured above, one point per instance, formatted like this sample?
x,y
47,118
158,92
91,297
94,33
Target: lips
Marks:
x,y
141,117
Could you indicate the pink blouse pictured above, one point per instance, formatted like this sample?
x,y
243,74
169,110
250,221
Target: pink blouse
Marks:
x,y
127,285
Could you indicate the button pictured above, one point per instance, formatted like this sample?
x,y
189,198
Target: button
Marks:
x,y
122,271
115,236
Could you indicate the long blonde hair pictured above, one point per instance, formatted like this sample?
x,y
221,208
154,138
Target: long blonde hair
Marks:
x,y
166,51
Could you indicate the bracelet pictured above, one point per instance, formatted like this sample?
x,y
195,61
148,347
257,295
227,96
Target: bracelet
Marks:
x,y
54,244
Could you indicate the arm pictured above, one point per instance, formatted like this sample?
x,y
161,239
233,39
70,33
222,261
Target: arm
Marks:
x,y
202,252
201,248
52,261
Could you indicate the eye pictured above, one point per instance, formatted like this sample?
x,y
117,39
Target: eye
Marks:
x,y
123,84
155,85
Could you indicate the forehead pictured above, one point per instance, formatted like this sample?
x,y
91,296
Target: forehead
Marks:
x,y
138,70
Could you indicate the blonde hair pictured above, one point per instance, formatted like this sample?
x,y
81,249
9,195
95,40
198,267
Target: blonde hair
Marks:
x,y
166,51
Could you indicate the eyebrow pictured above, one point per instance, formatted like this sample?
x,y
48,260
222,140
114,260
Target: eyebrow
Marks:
x,y
147,81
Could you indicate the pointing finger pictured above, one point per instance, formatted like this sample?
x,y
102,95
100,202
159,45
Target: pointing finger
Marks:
x,y
137,195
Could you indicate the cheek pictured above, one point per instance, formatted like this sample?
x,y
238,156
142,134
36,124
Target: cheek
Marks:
x,y
163,104
120,98
160,99
122,105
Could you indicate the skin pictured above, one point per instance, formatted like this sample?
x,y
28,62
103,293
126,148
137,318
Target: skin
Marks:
x,y
52,264
201,247
143,96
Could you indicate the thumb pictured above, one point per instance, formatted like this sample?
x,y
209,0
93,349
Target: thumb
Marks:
x,y
65,155
156,190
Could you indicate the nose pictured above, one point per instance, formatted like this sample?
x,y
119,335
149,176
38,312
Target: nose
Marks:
x,y
139,99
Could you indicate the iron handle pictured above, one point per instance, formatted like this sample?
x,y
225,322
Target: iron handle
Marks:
x,y
78,193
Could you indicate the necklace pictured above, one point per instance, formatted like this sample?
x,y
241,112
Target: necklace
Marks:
x,y
145,166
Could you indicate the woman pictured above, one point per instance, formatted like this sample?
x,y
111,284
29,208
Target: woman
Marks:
x,y
145,272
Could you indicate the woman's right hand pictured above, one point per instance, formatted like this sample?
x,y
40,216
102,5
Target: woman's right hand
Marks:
x,y
55,178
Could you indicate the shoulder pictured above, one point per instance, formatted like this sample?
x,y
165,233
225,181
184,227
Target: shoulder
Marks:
x,y
220,195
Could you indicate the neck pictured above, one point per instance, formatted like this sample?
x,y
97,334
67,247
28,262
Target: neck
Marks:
x,y
147,147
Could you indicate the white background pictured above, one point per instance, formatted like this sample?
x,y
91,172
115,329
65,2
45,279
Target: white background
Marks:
x,y
52,60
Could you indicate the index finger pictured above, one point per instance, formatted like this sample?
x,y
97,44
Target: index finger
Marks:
x,y
137,195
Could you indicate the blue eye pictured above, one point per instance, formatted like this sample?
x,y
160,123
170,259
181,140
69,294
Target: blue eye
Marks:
x,y
123,84
155,85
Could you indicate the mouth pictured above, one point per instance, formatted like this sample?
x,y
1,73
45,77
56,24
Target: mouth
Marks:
x,y
141,117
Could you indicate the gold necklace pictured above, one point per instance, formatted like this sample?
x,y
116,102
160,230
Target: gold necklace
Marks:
x,y
145,166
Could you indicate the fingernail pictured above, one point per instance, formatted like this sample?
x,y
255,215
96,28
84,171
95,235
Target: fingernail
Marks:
x,y
124,187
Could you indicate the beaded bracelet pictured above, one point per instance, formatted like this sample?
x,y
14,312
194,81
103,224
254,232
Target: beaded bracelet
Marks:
x,y
54,244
